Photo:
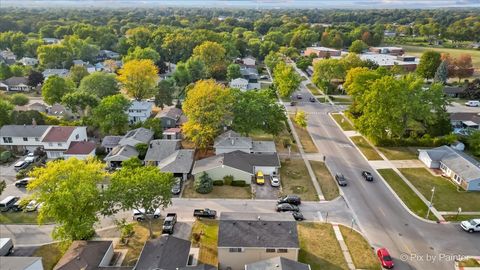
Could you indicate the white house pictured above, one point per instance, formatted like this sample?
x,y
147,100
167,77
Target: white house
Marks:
x,y
22,137
15,84
51,40
81,150
239,83
139,111
249,61
58,139
28,61
8,57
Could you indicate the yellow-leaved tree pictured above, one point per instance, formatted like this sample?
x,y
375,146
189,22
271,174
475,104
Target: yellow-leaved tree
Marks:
x,y
139,78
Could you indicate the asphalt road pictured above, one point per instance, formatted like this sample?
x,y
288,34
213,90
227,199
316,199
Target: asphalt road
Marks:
x,y
413,243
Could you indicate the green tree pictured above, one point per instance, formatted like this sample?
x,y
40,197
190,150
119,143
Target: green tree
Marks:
x,y
286,79
474,142
304,62
182,76
132,163
80,48
164,95
233,72
441,75
99,84
110,114
54,56
6,109
272,59
203,184
70,196
5,71
358,46
325,71
429,63
144,189
19,99
301,119
27,117
142,53
3,185
80,101
77,73
214,57
34,78
55,88
139,78
196,69
154,124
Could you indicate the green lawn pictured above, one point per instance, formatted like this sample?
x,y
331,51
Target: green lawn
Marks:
x,y
362,253
343,122
325,179
296,180
406,194
218,192
50,254
305,138
280,139
18,217
399,153
206,232
137,241
319,248
315,91
455,218
341,99
366,148
447,197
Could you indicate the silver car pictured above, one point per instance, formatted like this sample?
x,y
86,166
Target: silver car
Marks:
x,y
275,181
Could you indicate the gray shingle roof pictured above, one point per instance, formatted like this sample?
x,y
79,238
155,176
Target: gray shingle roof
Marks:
x,y
111,141
172,113
12,81
268,233
158,150
23,130
238,160
277,263
17,263
167,252
85,255
263,146
231,139
121,153
181,161
140,135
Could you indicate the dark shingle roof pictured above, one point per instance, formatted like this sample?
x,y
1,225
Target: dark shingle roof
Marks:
x,y
23,131
158,150
80,148
111,141
58,134
85,255
181,161
238,160
277,263
12,81
167,252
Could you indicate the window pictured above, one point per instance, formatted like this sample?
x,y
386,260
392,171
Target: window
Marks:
x,y
50,144
37,139
25,139
59,144
270,250
7,140
235,250
282,250
77,136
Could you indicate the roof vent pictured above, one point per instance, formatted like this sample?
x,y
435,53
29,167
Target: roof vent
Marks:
x,y
258,217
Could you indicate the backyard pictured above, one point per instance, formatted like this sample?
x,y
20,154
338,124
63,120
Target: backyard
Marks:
x,y
137,241
399,153
325,179
342,121
205,237
366,148
282,139
305,139
218,192
363,255
296,180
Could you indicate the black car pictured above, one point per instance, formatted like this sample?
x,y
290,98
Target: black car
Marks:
x,y
312,99
298,216
367,175
291,199
293,103
177,187
286,207
299,96
341,180
22,182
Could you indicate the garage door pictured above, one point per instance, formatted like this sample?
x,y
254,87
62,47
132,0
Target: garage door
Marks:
x,y
266,170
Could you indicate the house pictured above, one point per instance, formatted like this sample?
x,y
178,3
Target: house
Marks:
x,y
388,33
168,157
61,72
387,50
137,136
90,68
86,255
241,165
408,63
463,123
119,154
461,168
277,263
58,110
109,142
231,141
263,237
15,84
239,83
58,140
20,138
107,54
158,150
453,91
21,263
51,40
28,61
171,117
81,150
172,134
249,61
123,148
139,111
322,52
37,106
8,57
250,74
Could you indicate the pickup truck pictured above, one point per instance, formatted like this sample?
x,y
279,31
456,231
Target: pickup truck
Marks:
x,y
169,223
472,225
206,213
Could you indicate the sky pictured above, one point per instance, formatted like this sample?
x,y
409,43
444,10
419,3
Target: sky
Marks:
x,y
348,4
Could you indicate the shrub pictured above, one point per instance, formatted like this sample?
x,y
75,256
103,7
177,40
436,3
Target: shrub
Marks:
x,y
203,184
19,99
228,179
286,142
22,174
5,156
425,141
218,183
239,183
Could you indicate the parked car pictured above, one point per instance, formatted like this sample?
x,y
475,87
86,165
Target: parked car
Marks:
x,y
385,258
20,165
472,103
32,206
472,225
208,213
23,182
6,246
8,202
286,207
341,180
312,99
264,77
140,216
31,158
177,187
260,179
17,206
293,103
291,199
298,216
169,223
367,176
299,96
275,181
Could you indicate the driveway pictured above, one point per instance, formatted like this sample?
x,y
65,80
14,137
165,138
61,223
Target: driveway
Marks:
x,y
456,107
266,191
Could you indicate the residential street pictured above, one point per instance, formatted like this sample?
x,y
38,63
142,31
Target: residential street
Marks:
x,y
380,216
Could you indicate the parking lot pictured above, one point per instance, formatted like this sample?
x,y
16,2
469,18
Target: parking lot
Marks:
x,y
266,191
8,173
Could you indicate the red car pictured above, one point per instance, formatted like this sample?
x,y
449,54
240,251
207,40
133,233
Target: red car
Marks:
x,y
385,258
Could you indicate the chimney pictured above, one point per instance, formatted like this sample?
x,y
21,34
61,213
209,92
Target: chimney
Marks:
x,y
151,145
34,123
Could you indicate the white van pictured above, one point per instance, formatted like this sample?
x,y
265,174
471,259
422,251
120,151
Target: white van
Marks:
x,y
6,246
472,103
8,203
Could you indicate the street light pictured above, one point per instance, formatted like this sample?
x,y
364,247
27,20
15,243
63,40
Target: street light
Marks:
x,y
431,202
458,212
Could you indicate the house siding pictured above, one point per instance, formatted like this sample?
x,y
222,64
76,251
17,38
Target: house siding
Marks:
x,y
473,185
220,172
221,150
238,260
423,156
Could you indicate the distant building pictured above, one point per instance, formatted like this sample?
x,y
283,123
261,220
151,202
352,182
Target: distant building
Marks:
x,y
249,61
7,57
107,54
408,63
139,111
388,33
322,52
453,91
464,123
171,117
28,61
239,83
51,40
15,84
250,74
387,50
61,72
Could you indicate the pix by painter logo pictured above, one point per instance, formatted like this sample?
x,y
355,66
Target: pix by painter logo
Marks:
x,y
431,257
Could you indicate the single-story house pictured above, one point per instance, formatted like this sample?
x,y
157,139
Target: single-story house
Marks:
x,y
136,136
121,148
249,61
119,154
171,117
277,263
172,134
28,61
463,121
453,91
230,141
7,57
239,83
60,111
15,84
263,236
168,157
80,150
461,168
139,111
37,106
21,263
86,255
241,165
250,74
158,150
109,142
107,54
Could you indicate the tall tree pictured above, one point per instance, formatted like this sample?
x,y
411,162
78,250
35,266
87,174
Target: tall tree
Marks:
x,y
110,115
139,78
429,63
99,84
6,109
214,57
324,71
358,46
463,66
196,69
55,88
70,196
474,142
80,101
164,95
233,72
142,53
54,56
34,78
286,79
77,73
301,119
441,75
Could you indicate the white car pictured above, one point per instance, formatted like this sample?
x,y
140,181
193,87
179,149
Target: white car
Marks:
x,y
472,103
32,206
275,181
472,225
139,215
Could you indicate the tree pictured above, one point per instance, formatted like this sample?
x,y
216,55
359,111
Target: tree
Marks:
x,y
77,73
207,108
34,78
6,109
286,79
214,57
70,196
55,88
472,91
54,56
132,163
99,84
233,72
27,117
139,78
441,75
144,189
80,101
272,59
304,62
110,115
301,119
203,184
196,69
358,46
164,95
142,53
474,142
3,185
463,66
181,75
429,63
325,71
19,99
5,71
154,124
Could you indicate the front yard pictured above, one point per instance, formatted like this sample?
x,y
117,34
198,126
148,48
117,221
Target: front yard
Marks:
x,y
363,255
448,196
366,148
305,138
206,232
218,192
325,179
137,241
399,153
296,180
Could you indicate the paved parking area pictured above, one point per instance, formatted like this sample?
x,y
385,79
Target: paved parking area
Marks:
x,y
266,191
8,173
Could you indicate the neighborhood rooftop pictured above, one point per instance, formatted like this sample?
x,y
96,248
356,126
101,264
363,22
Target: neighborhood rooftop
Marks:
x,y
167,253
30,131
58,134
277,263
85,255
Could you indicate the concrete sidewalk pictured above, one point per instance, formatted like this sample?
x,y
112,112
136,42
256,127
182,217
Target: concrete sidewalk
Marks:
x,y
343,246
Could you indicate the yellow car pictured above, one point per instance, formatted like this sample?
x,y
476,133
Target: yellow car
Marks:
x,y
260,178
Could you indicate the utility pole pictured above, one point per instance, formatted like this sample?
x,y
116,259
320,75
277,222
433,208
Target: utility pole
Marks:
x,y
431,202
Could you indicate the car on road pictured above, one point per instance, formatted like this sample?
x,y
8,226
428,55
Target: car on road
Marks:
x,y
312,99
293,103
260,178
22,183
367,176
291,199
341,180
32,206
472,103
275,181
7,203
207,213
298,216
385,258
6,246
139,215
299,96
286,207
20,165
169,223
472,225
177,186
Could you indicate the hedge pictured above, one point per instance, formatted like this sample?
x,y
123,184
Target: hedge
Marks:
x,y
218,183
425,141
239,183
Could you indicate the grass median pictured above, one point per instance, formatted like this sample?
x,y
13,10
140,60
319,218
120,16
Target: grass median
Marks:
x,y
364,146
296,180
342,122
205,237
305,138
327,183
315,91
362,253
